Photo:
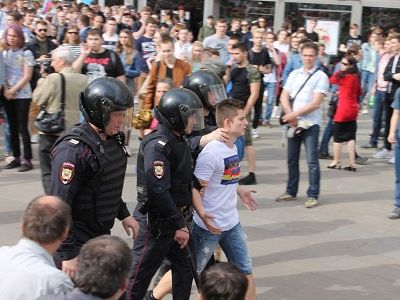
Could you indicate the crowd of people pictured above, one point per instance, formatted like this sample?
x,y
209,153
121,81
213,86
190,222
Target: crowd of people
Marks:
x,y
199,97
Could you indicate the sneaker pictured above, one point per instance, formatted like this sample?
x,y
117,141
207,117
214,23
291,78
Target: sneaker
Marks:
x,y
285,197
392,161
276,112
311,202
25,167
325,156
369,146
395,214
248,180
254,134
385,153
361,160
34,138
364,111
13,164
8,158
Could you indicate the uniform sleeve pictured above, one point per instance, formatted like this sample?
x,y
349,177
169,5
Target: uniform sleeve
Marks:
x,y
70,163
158,182
254,75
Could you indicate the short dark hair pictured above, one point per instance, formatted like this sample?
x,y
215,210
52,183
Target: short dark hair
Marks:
x,y
235,37
151,21
227,109
45,222
310,45
103,266
85,20
95,31
223,281
241,46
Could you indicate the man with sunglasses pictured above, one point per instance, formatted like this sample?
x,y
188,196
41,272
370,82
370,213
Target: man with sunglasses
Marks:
x,y
40,46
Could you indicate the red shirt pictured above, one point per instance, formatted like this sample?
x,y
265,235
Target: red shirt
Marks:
x,y
349,91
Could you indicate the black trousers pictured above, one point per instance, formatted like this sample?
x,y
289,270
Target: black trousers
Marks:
x,y
17,112
45,143
388,116
148,255
258,106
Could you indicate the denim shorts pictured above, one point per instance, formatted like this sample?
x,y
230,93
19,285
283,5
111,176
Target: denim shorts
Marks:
x,y
232,242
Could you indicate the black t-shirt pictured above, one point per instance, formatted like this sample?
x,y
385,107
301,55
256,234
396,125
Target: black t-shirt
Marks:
x,y
313,36
169,72
259,58
241,79
349,40
98,65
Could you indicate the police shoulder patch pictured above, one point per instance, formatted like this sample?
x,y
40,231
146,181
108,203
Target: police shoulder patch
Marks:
x,y
158,169
67,172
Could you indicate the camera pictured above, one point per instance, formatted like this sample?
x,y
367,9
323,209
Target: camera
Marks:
x,y
48,69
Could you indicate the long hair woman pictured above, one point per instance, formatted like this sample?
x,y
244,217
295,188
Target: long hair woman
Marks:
x,y
129,57
17,95
345,118
197,56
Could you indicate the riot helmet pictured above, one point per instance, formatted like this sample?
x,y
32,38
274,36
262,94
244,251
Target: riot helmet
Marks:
x,y
208,86
103,96
180,109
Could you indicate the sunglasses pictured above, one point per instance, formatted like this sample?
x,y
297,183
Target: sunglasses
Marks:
x,y
72,32
42,30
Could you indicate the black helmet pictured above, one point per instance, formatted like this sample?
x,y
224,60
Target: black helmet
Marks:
x,y
208,86
175,108
102,96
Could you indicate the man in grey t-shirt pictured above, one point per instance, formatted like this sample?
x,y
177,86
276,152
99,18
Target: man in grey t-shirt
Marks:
x,y
219,40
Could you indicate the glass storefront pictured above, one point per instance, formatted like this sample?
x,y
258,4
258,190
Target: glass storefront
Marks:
x,y
377,16
249,9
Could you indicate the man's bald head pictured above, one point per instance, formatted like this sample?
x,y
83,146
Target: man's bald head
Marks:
x,y
46,219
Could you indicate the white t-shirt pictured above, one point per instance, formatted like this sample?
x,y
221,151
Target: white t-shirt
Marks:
x,y
219,165
183,51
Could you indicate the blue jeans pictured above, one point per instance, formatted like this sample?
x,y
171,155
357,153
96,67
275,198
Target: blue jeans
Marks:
x,y
310,139
379,108
328,132
367,81
233,243
397,170
270,87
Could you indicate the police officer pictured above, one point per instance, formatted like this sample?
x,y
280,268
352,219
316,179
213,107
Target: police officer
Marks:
x,y
88,168
211,90
164,175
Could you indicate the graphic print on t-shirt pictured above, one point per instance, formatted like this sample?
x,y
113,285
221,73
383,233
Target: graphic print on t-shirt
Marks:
x,y
231,170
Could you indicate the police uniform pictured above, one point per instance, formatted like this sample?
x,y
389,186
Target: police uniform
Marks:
x,y
164,175
88,173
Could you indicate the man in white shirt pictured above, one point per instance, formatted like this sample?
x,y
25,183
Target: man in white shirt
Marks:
x,y
216,220
27,270
183,48
306,87
110,36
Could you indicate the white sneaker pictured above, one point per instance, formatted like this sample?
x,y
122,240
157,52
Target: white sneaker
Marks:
x,y
392,160
385,153
34,138
364,111
276,112
254,134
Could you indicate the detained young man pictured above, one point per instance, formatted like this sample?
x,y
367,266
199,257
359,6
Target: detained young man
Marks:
x,y
216,220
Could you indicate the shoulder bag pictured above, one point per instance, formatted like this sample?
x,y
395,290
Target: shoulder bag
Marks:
x,y
52,123
291,99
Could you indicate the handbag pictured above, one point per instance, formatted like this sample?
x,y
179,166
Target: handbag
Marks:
x,y
52,123
332,106
291,99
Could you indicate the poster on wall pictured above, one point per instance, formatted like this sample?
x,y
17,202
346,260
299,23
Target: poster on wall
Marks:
x,y
328,32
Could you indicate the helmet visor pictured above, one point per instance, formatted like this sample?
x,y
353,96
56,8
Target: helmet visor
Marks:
x,y
127,125
216,93
193,119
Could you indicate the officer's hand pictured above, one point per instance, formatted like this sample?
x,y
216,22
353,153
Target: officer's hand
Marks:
x,y
182,236
69,266
129,223
220,134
